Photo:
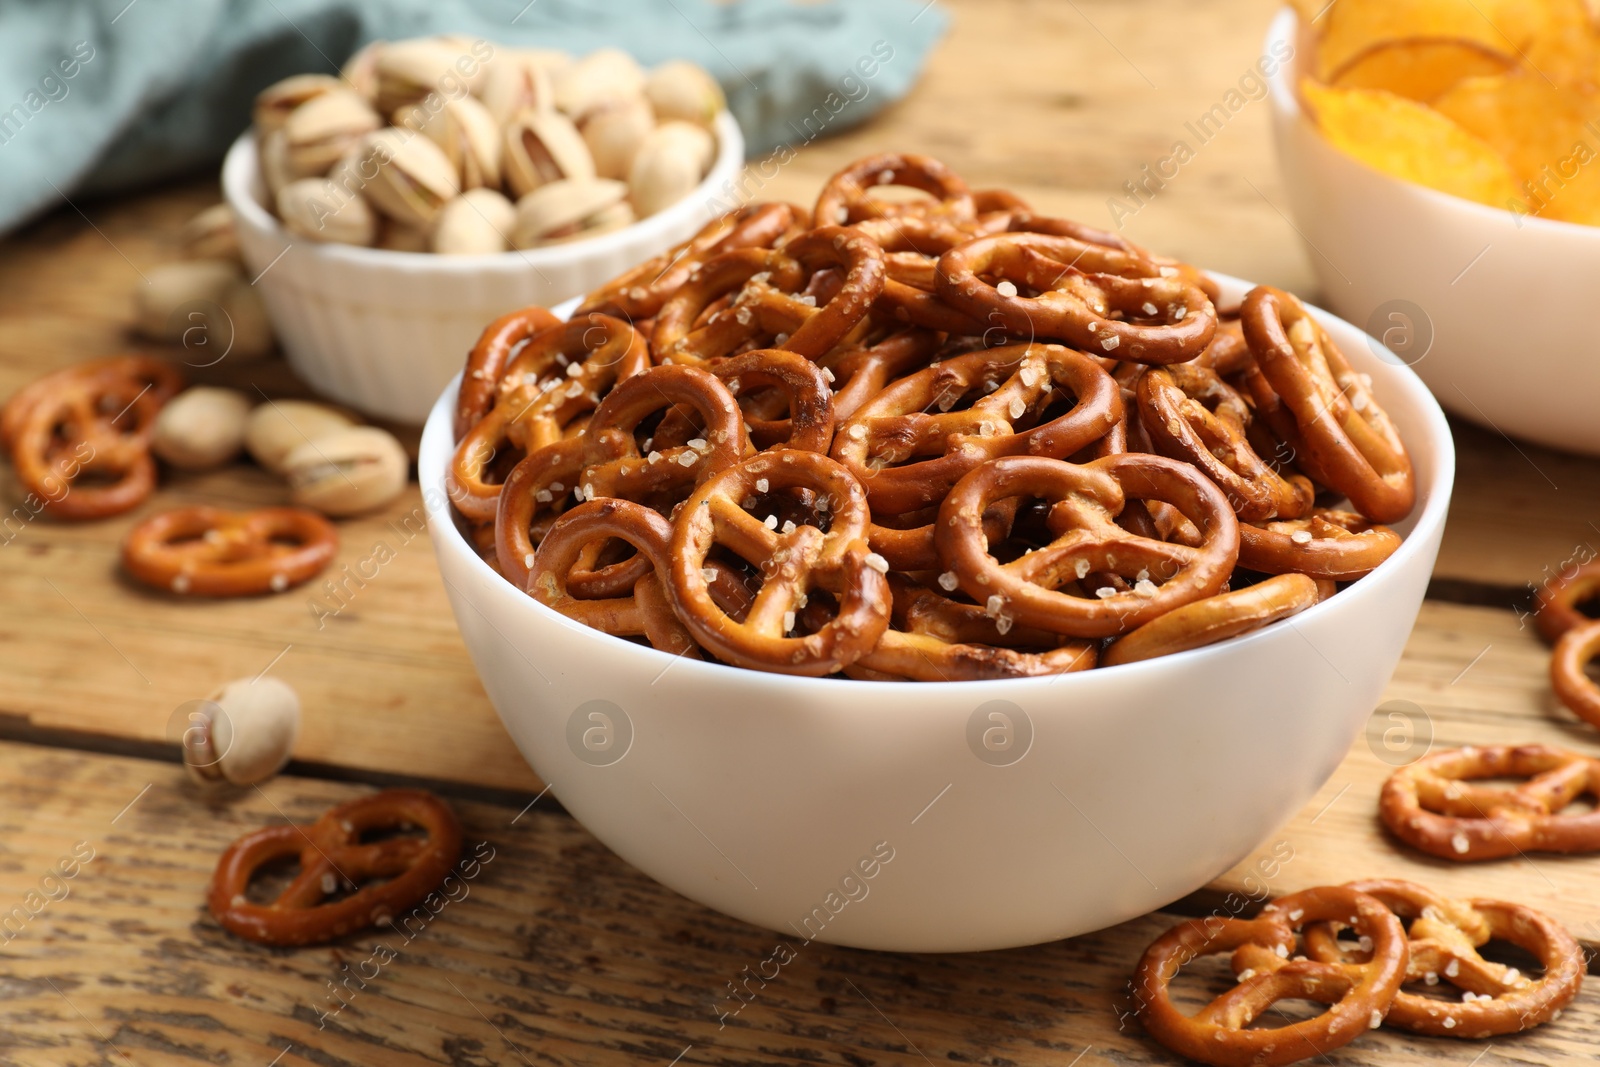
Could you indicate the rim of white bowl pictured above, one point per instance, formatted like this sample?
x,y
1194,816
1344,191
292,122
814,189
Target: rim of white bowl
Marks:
x,y
240,178
1431,518
1285,28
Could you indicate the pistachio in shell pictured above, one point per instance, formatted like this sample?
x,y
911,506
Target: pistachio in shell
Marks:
x,y
278,427
347,472
682,90
276,102
201,428
467,134
414,178
614,133
543,147
320,131
570,208
320,210
476,223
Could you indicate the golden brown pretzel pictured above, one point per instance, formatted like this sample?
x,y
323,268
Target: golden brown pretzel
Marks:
x,y
844,199
912,245
1559,600
536,492
826,322
486,363
1035,589
909,456
805,388
693,326
1568,674
644,611
1337,545
1325,410
1193,415
162,377
1104,300
859,374
383,878
1220,1033
932,638
797,562
1227,354
638,294
1432,804
1443,940
203,551
557,377
80,438
612,461
1216,618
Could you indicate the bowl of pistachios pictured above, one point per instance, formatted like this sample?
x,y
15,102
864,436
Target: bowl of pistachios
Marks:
x,y
387,213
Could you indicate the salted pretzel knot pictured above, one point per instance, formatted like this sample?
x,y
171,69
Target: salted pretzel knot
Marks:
x,y
164,381
912,442
1193,415
844,199
912,245
559,375
1569,675
1039,588
1215,618
1559,600
383,879
205,551
644,611
707,316
1328,544
536,492
1323,408
486,363
80,438
1443,944
1104,300
932,638
804,386
612,462
1220,1033
796,563
1432,804
639,293
859,374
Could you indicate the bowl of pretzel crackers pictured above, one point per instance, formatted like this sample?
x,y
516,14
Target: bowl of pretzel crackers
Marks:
x,y
921,572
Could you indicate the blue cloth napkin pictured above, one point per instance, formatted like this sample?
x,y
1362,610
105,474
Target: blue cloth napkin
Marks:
x,y
99,95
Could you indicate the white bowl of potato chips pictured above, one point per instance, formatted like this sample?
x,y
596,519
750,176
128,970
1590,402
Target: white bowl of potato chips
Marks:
x,y
1442,161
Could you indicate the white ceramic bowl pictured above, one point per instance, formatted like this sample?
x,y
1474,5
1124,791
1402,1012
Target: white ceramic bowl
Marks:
x,y
1491,310
383,331
758,794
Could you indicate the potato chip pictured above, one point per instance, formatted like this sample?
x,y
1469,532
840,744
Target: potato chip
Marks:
x,y
1419,69
1412,142
1568,51
1549,134
1352,27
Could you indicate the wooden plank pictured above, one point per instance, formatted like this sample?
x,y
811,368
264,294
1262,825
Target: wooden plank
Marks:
x,y
555,953
387,686
1470,677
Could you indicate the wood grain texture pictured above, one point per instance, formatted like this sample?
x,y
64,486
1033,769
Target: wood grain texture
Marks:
x,y
1471,676
1062,102
555,953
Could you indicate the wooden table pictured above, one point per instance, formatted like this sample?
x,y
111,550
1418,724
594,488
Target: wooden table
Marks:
x,y
561,953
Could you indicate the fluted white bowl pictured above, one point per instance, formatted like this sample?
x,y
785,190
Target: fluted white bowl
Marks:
x,y
383,331
1092,798
1490,308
